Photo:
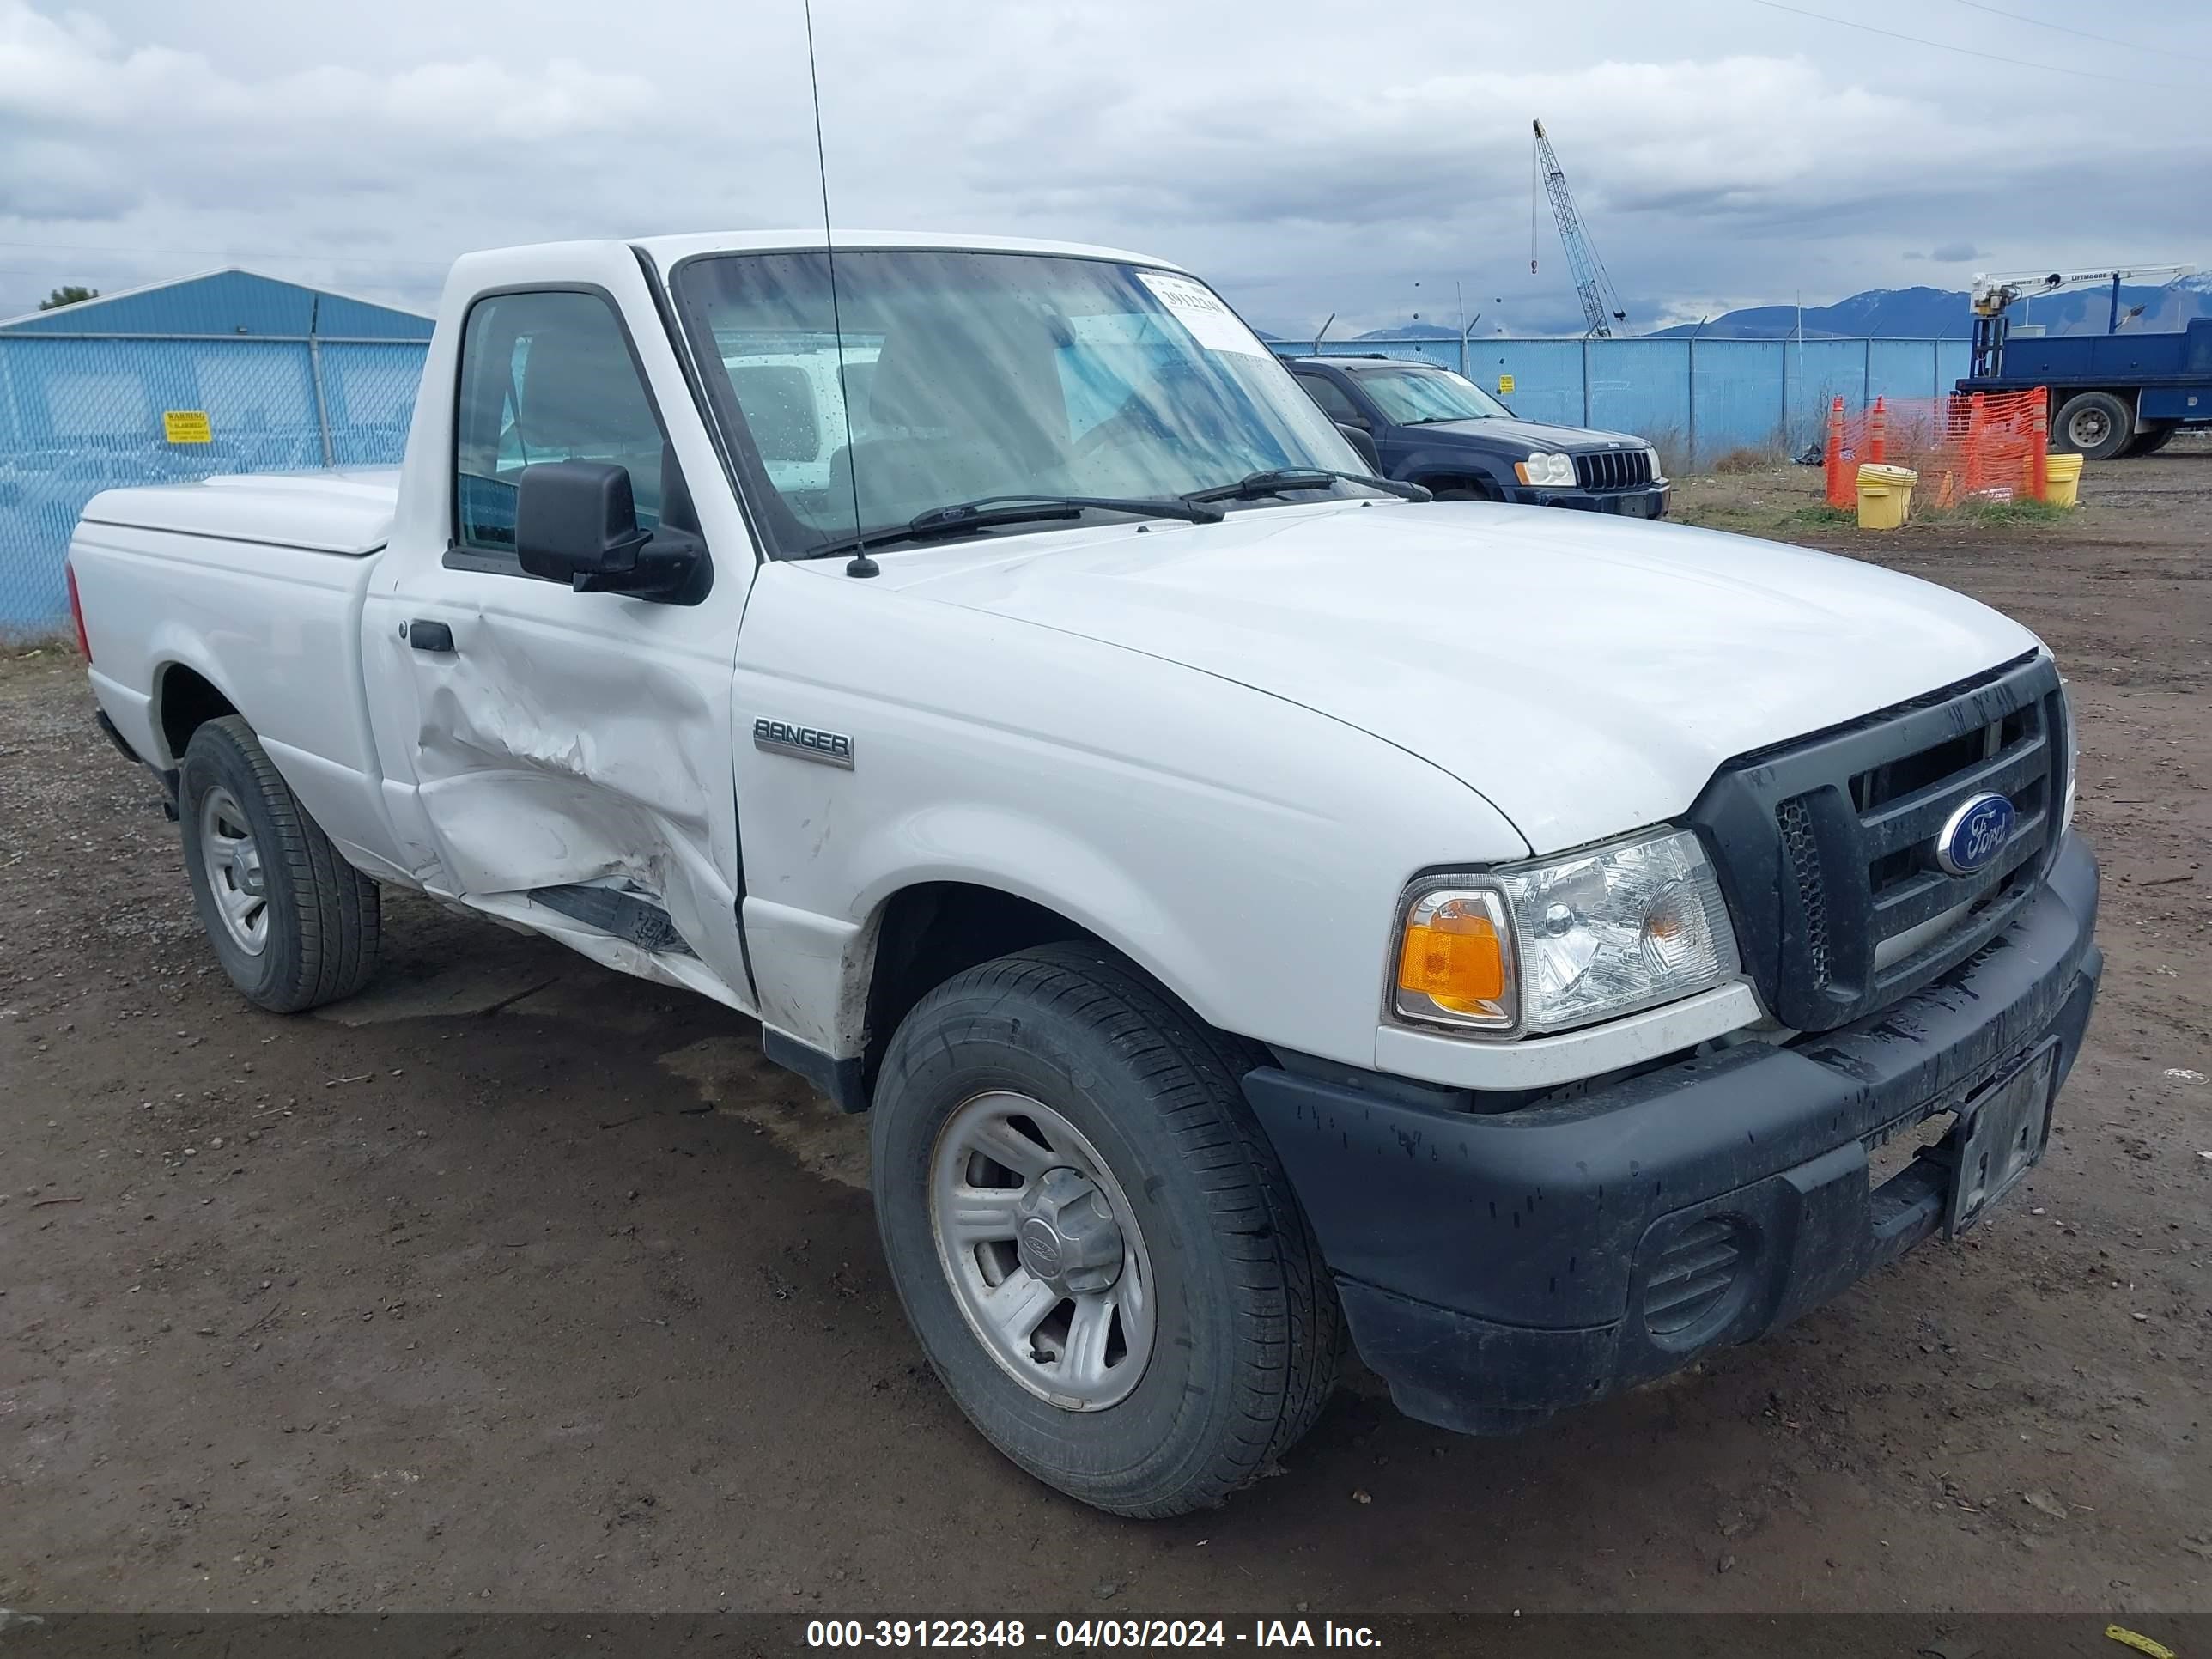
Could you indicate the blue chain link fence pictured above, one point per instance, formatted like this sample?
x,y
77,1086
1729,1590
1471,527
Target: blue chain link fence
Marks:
x,y
1698,400
81,413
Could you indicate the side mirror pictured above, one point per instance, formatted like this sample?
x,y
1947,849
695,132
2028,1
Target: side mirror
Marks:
x,y
1361,440
576,522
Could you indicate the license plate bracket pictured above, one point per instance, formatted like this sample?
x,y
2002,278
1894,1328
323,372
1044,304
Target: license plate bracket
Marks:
x,y
1998,1139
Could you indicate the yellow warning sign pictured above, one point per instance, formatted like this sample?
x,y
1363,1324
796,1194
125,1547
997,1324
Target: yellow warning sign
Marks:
x,y
1505,386
186,426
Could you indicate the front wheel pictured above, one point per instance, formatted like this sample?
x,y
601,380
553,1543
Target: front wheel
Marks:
x,y
1094,1243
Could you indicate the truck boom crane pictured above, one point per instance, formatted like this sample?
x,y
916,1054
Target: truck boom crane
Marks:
x,y
1602,306
1994,294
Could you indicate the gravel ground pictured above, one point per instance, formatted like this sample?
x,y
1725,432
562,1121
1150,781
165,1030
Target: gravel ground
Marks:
x,y
514,1284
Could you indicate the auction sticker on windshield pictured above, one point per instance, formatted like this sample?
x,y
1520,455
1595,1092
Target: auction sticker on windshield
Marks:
x,y
1211,323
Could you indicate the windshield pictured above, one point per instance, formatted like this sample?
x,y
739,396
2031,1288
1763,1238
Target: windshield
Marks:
x,y
1416,397
969,376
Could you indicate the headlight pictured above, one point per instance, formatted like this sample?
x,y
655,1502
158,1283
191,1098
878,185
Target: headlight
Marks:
x,y
1651,457
1546,946
1549,470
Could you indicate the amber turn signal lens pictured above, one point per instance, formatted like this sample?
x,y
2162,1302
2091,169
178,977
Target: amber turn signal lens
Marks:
x,y
1454,956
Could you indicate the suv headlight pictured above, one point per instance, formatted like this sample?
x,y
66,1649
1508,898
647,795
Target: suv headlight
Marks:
x,y
1549,470
1546,946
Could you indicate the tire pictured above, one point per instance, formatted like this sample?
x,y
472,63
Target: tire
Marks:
x,y
2148,443
2094,425
1244,1325
1460,492
313,937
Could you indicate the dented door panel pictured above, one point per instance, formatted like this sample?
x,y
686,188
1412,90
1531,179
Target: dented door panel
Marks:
x,y
579,739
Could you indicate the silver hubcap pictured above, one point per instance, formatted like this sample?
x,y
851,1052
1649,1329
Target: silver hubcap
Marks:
x,y
1042,1252
233,864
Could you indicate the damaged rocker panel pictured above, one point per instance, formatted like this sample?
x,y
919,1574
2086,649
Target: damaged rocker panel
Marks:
x,y
625,915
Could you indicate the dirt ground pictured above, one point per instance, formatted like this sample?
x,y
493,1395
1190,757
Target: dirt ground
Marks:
x,y
515,1283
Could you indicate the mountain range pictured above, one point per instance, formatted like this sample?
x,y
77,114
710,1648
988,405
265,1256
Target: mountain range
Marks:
x,y
1935,313
1898,313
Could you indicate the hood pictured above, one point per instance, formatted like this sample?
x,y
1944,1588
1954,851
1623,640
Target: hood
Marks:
x,y
1525,437
1586,675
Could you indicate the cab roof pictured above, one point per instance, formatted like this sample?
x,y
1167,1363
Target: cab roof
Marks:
x,y
666,251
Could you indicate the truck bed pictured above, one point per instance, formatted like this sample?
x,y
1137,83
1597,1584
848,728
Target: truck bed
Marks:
x,y
2126,359
348,513
255,586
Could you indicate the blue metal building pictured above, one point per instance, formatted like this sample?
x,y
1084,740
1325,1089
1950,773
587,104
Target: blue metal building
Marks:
x,y
228,372
230,304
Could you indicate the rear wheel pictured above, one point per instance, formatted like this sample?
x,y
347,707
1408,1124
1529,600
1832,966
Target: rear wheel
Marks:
x,y
1101,1256
2149,443
2095,425
294,925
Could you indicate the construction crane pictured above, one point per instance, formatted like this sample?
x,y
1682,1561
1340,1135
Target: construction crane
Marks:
x,y
1601,307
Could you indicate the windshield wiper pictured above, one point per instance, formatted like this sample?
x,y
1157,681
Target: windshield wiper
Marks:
x,y
1277,480
957,518
1439,420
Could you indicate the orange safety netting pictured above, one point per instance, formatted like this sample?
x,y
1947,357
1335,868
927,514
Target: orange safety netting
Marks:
x,y
1983,446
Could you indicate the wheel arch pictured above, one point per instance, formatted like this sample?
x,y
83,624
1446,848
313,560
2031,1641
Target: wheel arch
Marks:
x,y
1457,478
185,699
928,931
1435,468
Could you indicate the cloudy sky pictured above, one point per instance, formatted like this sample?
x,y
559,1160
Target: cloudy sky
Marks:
x,y
1308,157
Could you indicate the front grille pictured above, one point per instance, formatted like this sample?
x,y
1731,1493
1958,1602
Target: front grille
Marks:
x,y
1826,847
1614,469
1903,805
1694,1275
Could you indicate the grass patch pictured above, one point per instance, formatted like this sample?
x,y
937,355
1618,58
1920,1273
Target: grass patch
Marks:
x,y
1783,501
27,653
1964,515
26,643
1999,513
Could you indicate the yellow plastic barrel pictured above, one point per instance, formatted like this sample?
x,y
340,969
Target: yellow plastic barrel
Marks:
x,y
2062,480
1885,496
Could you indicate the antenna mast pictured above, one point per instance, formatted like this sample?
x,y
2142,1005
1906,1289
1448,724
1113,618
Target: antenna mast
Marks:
x,y
860,564
1602,306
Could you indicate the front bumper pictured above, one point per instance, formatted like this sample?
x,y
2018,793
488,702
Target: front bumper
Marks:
x,y
1495,1268
1639,501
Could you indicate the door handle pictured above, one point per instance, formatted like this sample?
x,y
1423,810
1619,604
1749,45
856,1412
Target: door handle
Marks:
x,y
429,635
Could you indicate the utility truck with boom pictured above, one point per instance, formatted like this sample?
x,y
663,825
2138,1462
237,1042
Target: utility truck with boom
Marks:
x,y
2123,392
1256,904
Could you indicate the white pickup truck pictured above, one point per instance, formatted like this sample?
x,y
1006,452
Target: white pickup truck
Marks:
x,y
1255,903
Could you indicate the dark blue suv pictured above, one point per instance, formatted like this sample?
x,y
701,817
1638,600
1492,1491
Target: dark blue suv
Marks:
x,y
1432,427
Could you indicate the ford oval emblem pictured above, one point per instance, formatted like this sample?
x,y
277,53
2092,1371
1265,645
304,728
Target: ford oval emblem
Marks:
x,y
1975,834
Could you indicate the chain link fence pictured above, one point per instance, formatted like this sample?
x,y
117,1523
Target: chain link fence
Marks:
x,y
81,413
1697,398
